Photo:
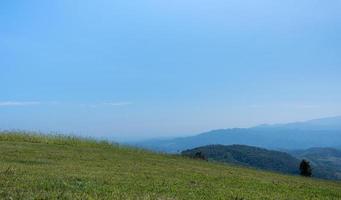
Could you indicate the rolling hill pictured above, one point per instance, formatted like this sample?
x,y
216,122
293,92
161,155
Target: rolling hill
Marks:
x,y
301,135
55,167
325,161
248,156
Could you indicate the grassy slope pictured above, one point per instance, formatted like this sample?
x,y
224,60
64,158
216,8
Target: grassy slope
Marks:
x,y
34,167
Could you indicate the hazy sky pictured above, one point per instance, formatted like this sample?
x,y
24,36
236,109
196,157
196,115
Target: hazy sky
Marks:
x,y
152,68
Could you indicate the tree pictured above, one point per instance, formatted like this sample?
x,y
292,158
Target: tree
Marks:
x,y
305,168
199,155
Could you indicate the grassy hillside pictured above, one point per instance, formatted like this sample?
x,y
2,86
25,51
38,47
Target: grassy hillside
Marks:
x,y
39,167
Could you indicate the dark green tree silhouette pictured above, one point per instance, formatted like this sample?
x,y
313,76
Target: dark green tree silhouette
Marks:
x,y
305,168
199,155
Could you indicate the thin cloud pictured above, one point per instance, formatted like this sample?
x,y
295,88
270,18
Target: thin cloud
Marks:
x,y
32,103
295,106
19,103
118,103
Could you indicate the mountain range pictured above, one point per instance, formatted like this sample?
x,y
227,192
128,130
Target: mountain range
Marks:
x,y
324,132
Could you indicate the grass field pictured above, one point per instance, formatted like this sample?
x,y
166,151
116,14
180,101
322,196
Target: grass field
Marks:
x,y
41,167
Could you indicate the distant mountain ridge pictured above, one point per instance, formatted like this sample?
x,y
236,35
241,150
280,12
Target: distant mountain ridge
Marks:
x,y
329,123
324,132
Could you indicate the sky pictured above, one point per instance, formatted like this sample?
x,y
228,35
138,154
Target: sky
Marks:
x,y
141,69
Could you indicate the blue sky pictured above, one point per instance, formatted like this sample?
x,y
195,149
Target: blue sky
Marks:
x,y
151,68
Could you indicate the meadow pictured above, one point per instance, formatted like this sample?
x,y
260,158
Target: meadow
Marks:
x,y
64,167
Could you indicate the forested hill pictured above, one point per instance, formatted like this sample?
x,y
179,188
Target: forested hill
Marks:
x,y
248,156
326,160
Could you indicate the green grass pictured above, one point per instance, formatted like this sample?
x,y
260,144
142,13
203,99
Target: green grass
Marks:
x,y
57,167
